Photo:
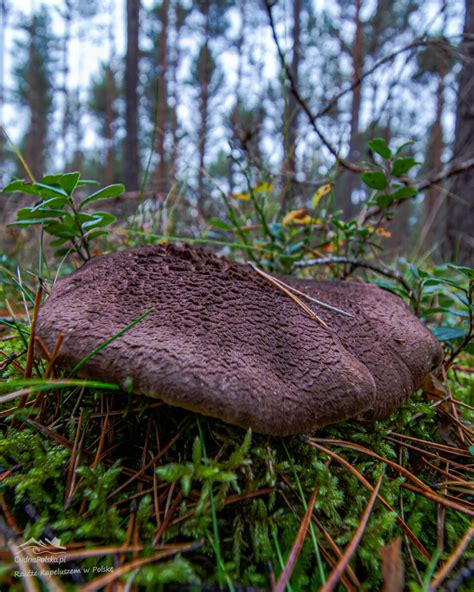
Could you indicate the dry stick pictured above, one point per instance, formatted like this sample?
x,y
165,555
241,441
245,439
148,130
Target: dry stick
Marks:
x,y
444,570
31,344
75,455
446,501
403,525
328,539
297,546
275,282
352,546
294,290
386,271
111,577
147,466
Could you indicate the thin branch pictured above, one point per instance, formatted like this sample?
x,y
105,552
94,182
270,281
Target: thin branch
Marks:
x,y
386,271
445,173
303,104
388,58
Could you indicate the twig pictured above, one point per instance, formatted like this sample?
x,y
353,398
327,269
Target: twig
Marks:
x,y
386,271
445,173
289,293
303,104
444,570
352,546
388,58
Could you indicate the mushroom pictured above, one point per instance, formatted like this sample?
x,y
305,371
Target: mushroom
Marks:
x,y
223,341
382,333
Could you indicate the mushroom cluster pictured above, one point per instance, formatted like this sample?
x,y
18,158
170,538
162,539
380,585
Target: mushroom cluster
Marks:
x,y
224,341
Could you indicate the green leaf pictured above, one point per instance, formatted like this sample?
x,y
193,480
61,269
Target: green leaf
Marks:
x,y
84,182
403,146
379,146
61,230
61,252
38,214
405,192
58,242
401,166
99,219
31,188
104,193
216,223
375,180
50,191
444,333
384,200
54,180
468,271
69,182
52,202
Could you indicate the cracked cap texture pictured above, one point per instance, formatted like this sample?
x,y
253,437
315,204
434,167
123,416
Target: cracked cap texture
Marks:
x,y
225,342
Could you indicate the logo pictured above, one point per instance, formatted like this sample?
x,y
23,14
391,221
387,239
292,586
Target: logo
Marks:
x,y
34,550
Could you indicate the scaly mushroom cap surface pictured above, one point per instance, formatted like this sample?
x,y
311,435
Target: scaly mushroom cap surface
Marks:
x,y
222,341
382,333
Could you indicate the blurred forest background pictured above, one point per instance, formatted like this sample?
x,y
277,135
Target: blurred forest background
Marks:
x,y
181,99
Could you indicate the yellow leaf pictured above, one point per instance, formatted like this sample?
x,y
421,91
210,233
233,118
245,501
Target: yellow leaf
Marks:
x,y
382,232
244,196
298,217
320,193
263,188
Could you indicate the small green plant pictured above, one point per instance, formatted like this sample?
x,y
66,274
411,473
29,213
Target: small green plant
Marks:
x,y
61,215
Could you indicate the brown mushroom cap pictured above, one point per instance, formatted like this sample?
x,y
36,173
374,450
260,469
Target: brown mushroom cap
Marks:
x,y
382,333
222,340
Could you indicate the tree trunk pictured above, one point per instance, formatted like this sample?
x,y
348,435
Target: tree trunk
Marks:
x,y
355,149
132,62
204,82
459,235
109,131
174,82
65,76
291,114
434,196
161,183
3,27
36,136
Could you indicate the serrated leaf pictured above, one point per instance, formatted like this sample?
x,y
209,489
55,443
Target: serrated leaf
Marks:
x,y
375,180
379,146
320,193
105,193
401,166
